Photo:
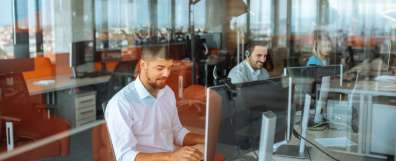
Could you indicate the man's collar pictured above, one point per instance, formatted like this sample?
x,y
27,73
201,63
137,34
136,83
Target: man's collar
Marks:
x,y
141,90
249,66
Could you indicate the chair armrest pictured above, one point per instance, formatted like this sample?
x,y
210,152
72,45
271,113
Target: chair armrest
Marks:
x,y
9,118
184,104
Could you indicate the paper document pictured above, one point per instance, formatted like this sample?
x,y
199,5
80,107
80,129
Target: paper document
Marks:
x,y
44,82
386,78
342,142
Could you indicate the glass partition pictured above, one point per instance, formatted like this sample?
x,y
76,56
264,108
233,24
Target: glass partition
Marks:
x,y
56,107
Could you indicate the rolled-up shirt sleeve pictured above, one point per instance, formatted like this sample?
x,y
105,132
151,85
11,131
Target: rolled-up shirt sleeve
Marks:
x,y
179,132
119,125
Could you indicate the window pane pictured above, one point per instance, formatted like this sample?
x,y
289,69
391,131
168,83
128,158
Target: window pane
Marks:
x,y
260,16
200,15
116,20
164,13
303,16
47,16
181,17
6,31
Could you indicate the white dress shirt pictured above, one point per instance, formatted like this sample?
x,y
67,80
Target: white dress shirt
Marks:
x,y
138,122
243,72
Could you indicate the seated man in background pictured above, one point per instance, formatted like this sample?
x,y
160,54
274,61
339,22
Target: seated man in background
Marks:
x,y
373,65
142,117
252,68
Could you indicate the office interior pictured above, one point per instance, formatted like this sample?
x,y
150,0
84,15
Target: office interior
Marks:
x,y
62,60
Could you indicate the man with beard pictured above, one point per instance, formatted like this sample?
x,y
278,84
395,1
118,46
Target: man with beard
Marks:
x,y
142,117
252,68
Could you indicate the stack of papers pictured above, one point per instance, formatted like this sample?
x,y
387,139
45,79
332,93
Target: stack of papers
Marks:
x,y
44,82
386,78
341,142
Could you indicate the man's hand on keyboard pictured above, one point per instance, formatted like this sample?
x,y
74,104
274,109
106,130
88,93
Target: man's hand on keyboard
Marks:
x,y
187,153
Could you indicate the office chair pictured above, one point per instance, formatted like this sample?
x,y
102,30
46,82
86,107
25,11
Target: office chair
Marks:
x,y
30,123
102,149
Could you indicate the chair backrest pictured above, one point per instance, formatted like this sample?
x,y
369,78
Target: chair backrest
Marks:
x,y
101,144
15,100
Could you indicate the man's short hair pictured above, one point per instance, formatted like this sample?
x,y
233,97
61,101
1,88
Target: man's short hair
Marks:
x,y
157,51
252,44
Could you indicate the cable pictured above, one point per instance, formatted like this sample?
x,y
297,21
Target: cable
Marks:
x,y
309,155
298,136
319,126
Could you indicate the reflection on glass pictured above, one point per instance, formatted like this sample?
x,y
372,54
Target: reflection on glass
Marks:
x,y
358,113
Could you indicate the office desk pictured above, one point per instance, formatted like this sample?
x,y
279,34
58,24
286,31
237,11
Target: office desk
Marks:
x,y
62,82
78,108
315,154
342,154
365,90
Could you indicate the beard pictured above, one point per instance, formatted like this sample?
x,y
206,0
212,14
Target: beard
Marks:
x,y
156,83
259,65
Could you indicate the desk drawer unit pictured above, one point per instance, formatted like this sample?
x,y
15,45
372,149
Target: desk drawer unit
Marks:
x,y
78,108
382,132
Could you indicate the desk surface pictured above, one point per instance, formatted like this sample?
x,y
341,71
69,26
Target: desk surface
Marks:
x,y
373,88
62,82
315,154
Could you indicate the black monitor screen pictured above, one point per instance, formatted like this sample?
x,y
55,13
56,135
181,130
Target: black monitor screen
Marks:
x,y
213,40
239,115
81,52
315,72
307,78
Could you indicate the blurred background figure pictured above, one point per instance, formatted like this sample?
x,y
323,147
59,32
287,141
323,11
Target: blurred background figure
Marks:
x,y
321,51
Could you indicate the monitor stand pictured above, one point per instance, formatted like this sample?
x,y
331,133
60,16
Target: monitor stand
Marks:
x,y
292,151
298,151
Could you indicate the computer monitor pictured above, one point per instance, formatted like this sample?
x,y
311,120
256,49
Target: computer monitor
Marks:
x,y
106,55
315,72
212,40
307,79
233,115
81,52
313,80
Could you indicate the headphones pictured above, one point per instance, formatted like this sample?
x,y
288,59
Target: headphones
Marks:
x,y
250,47
247,53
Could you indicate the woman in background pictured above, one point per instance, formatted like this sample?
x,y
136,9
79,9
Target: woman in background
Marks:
x,y
321,50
